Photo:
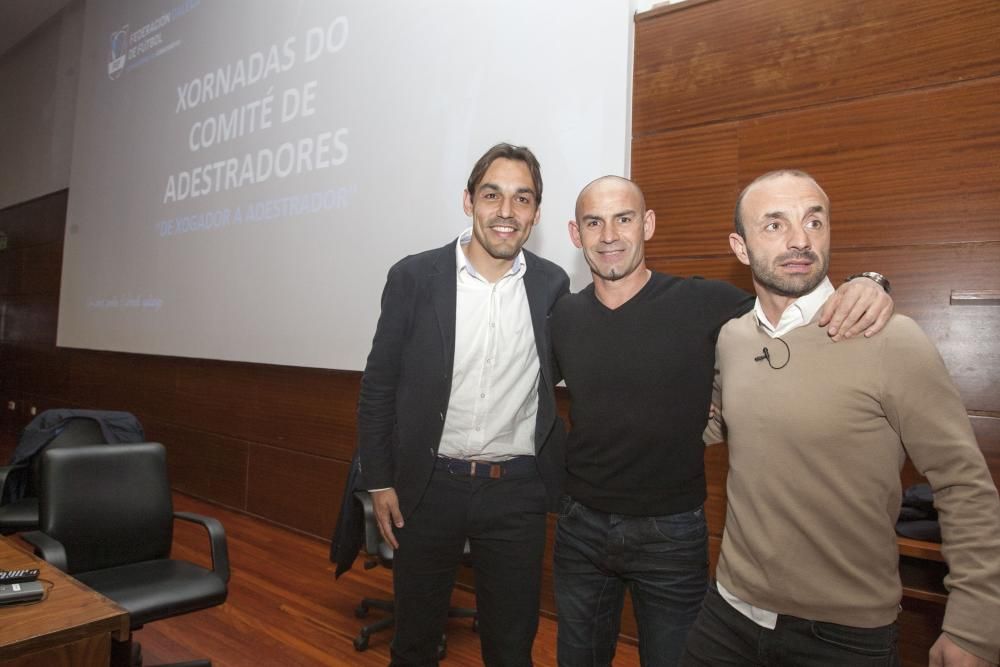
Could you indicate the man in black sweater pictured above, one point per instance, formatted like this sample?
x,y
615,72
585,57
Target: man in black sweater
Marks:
x,y
637,351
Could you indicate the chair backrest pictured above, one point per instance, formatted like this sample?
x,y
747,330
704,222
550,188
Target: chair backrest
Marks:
x,y
108,506
77,431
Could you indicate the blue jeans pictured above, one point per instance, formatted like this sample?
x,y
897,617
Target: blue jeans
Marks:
x,y
723,636
662,560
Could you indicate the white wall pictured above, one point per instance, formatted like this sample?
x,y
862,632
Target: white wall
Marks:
x,y
38,78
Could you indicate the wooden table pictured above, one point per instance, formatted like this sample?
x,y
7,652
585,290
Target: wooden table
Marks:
x,y
71,626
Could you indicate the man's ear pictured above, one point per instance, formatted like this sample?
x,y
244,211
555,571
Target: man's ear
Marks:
x,y
467,202
574,233
648,224
739,246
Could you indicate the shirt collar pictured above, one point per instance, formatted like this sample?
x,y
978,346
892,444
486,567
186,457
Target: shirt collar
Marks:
x,y
799,313
462,262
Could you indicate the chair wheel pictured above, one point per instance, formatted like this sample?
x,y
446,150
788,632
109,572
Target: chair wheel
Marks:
x,y
360,643
475,624
361,610
442,649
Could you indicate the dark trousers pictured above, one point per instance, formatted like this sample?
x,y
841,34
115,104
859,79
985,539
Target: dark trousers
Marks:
x,y
723,636
504,521
662,560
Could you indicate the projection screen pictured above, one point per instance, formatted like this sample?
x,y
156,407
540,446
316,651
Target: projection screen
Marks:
x,y
244,172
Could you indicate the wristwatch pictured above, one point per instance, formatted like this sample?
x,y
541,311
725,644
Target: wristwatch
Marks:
x,y
871,275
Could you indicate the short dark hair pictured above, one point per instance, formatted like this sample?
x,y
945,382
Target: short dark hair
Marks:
x,y
738,215
509,152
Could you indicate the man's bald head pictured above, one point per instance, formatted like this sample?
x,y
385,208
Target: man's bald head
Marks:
x,y
605,184
611,227
797,173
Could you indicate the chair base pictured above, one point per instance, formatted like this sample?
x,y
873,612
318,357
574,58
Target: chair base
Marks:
x,y
361,611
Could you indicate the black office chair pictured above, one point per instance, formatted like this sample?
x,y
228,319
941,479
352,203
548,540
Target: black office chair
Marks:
x,y
106,517
379,552
21,513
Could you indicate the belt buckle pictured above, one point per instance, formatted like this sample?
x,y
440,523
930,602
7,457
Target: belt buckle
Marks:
x,y
491,470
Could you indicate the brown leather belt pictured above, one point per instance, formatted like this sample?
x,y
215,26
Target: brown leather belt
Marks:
x,y
518,465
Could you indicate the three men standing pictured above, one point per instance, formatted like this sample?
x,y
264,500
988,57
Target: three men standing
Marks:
x,y
459,437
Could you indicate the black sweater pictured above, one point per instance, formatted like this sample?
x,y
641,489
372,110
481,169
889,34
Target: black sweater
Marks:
x,y
640,380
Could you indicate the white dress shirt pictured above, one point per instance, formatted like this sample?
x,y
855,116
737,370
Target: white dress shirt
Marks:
x,y
494,387
799,313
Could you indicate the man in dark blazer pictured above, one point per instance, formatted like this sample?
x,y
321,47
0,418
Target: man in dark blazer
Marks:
x,y
459,436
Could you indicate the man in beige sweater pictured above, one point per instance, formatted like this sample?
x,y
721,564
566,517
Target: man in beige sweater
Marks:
x,y
817,433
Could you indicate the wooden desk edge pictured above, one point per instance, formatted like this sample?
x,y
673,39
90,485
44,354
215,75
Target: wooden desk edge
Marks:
x,y
113,619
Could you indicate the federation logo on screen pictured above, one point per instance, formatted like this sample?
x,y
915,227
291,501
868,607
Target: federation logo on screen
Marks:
x,y
119,50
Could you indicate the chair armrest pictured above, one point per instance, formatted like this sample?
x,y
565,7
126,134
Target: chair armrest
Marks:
x,y
372,535
6,470
216,538
47,548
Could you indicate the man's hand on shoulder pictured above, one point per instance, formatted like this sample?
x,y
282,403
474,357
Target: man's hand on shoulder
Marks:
x,y
858,306
387,513
946,653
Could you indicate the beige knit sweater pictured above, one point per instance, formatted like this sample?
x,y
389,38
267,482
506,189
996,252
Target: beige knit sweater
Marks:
x,y
815,451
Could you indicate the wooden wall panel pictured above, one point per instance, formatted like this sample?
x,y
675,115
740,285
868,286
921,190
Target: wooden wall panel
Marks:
x,y
966,336
690,179
716,469
306,410
987,430
35,222
30,318
293,489
9,271
88,374
204,465
916,167
919,626
39,271
729,59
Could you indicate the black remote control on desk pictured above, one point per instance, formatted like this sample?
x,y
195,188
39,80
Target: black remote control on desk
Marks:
x,y
17,576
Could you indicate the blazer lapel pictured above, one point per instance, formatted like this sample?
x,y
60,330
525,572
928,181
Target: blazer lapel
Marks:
x,y
534,287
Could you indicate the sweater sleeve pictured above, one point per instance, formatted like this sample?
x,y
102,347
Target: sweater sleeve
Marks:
x,y
925,408
715,430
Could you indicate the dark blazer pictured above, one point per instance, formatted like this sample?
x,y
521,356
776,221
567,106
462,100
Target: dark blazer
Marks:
x,y
349,533
116,427
407,381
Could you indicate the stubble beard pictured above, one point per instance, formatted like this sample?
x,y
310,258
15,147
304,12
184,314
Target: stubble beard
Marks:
x,y
790,286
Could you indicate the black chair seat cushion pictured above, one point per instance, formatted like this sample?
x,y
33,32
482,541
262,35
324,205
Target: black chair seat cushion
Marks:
x,y
19,515
157,589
